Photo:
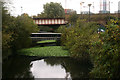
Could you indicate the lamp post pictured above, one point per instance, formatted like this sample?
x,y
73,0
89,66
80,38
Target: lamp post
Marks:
x,y
89,11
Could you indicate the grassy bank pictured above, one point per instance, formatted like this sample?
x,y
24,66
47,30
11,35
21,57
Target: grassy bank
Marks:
x,y
46,41
44,51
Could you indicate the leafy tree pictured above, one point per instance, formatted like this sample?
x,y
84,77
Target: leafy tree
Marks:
x,y
7,21
22,30
53,10
16,32
73,18
78,39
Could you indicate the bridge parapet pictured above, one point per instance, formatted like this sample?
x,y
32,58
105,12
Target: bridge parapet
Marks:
x,y
45,36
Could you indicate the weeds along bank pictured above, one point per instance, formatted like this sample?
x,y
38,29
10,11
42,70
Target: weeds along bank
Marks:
x,y
103,49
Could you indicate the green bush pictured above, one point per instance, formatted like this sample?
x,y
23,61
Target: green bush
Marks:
x,y
73,18
103,49
16,32
78,39
24,26
7,22
105,53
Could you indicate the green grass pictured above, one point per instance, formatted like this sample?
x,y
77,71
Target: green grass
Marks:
x,y
46,41
44,51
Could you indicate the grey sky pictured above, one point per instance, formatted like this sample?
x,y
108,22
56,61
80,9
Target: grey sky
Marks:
x,y
34,7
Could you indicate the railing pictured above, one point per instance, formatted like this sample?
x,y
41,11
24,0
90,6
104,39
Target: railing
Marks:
x,y
45,36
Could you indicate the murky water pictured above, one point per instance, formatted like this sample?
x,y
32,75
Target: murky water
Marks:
x,y
34,67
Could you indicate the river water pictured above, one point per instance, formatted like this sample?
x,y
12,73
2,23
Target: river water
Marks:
x,y
52,67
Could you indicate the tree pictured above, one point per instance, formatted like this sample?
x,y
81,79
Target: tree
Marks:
x,y
7,22
24,26
78,39
53,10
16,32
73,18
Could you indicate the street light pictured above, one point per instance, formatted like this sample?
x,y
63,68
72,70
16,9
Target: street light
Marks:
x,y
89,11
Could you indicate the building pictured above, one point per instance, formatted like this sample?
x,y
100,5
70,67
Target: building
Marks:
x,y
103,11
119,7
68,11
115,11
86,12
104,6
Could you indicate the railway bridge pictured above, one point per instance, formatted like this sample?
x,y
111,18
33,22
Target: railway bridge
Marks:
x,y
49,21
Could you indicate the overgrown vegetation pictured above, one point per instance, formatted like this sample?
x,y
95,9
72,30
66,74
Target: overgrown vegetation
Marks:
x,y
16,32
48,51
78,39
103,49
73,18
105,52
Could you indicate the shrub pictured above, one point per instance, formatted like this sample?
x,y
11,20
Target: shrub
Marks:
x,y
24,26
16,32
105,53
78,39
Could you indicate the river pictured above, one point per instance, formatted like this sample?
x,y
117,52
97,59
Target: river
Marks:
x,y
52,67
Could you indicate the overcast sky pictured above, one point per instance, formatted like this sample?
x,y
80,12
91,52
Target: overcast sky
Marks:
x,y
34,7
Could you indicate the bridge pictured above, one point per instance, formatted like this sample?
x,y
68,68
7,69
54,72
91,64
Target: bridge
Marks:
x,y
45,36
49,21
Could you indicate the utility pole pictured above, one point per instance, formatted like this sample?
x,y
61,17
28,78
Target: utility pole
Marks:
x,y
89,11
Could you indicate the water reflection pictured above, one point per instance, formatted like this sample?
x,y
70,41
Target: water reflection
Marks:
x,y
41,70
76,68
29,67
